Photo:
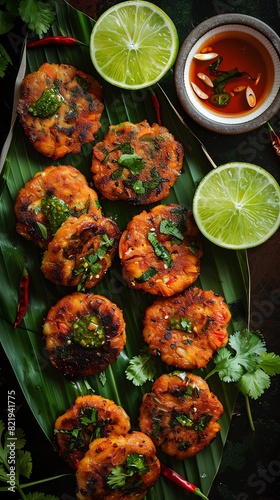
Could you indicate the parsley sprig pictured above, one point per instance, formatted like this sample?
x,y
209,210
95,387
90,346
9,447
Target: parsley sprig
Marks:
x,y
21,460
246,362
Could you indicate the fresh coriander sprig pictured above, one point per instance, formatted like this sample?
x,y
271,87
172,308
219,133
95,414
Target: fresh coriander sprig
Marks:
x,y
38,16
141,368
134,464
22,465
246,362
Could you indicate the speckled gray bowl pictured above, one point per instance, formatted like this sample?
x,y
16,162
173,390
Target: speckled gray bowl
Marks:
x,y
193,106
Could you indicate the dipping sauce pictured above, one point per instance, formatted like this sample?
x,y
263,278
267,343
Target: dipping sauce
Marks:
x,y
238,50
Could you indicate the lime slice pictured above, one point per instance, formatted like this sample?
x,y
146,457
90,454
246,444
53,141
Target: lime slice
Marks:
x,y
133,44
237,205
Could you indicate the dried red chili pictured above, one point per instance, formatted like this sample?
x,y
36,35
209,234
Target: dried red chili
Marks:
x,y
275,140
156,105
23,297
180,481
54,40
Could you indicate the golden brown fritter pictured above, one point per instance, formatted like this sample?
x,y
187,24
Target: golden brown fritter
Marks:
x,y
60,109
84,334
186,330
118,468
81,251
160,250
180,414
138,163
90,417
49,198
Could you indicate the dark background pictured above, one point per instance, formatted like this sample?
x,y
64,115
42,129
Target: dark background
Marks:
x,y
250,469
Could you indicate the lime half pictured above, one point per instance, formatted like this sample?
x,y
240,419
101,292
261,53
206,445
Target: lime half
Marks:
x,y
133,44
237,205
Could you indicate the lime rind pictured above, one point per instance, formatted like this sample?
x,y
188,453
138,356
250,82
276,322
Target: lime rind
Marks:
x,y
237,206
133,44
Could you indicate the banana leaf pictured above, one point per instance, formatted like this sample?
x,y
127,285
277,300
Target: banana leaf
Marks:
x,y
46,390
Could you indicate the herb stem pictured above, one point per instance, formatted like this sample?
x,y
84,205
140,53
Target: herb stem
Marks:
x,y
249,413
210,373
23,496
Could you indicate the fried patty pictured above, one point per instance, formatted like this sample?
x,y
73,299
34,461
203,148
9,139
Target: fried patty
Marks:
x,y
186,330
133,457
60,109
160,250
138,163
90,417
84,334
49,198
81,251
180,414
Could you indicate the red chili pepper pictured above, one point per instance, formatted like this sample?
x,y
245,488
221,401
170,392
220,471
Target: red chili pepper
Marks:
x,y
156,105
23,297
275,140
180,481
54,40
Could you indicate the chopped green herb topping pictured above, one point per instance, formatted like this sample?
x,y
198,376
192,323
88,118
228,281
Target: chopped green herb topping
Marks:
x,y
55,210
170,227
48,104
126,148
140,187
43,230
89,332
196,425
147,275
133,162
85,84
183,324
159,249
90,265
134,465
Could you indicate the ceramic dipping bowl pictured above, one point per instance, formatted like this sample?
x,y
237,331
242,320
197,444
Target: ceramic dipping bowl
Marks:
x,y
234,58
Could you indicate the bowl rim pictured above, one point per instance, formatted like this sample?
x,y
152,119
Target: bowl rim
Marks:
x,y
193,37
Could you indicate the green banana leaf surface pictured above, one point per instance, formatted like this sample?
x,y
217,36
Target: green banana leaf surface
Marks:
x,y
47,391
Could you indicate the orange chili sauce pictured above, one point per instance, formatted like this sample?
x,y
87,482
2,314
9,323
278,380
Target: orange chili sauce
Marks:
x,y
247,54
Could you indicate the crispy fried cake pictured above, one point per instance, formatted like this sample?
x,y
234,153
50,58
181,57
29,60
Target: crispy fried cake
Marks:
x,y
60,109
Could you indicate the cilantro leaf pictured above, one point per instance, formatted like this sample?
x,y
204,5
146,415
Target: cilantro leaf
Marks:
x,y
170,227
37,14
254,384
40,496
6,22
250,366
4,60
117,478
24,463
228,368
134,464
141,368
133,162
270,363
20,438
3,474
248,347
